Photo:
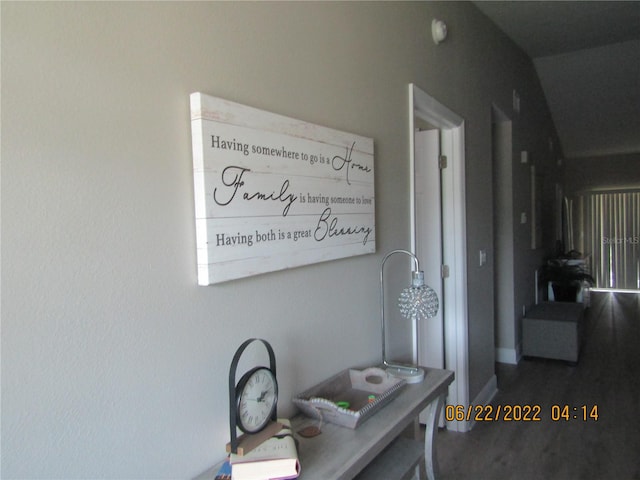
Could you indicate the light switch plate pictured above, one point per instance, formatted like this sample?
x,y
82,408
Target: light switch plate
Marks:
x,y
482,257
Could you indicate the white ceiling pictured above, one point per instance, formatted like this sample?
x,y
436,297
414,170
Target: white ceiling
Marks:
x,y
587,55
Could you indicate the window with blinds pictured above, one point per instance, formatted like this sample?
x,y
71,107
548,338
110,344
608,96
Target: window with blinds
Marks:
x,y
606,225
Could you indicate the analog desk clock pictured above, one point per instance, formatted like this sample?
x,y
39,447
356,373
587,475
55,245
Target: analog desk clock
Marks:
x,y
253,402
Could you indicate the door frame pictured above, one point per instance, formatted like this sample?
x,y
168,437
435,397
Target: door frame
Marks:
x,y
454,238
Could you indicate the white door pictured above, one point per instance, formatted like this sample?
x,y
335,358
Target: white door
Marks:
x,y
453,250
428,211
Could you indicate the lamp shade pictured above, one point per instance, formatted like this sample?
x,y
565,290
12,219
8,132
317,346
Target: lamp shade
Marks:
x,y
419,301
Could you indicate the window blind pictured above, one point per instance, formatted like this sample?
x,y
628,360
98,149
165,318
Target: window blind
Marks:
x,y
608,227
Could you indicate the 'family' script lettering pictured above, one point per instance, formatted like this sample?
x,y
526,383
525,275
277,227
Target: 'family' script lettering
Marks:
x,y
232,178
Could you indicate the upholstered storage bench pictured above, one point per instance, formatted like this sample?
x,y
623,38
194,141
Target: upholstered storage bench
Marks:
x,y
553,330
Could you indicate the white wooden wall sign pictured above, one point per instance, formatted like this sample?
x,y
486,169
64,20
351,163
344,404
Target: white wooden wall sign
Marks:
x,y
272,192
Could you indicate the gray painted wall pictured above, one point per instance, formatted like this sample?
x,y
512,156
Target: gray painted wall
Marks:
x,y
114,363
593,173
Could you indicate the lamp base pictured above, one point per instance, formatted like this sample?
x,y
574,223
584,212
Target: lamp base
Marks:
x,y
409,374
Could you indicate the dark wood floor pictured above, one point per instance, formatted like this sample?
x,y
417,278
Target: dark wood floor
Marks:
x,y
607,375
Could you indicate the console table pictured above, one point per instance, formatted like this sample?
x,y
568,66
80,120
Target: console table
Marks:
x,y
341,453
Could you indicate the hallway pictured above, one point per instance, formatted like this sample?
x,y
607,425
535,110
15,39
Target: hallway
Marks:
x,y
607,376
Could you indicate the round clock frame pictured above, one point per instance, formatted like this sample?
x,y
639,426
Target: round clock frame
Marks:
x,y
256,399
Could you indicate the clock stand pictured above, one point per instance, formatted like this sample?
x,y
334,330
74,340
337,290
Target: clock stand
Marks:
x,y
248,441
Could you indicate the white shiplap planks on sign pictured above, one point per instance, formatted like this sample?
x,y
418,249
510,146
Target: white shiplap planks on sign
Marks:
x,y
272,192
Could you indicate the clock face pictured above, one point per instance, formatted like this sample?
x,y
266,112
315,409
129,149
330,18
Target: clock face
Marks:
x,y
257,396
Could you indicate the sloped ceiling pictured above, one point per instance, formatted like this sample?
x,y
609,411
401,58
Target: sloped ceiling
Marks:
x,y
587,55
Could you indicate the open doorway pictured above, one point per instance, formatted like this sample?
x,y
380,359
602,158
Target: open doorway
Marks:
x,y
504,300
453,339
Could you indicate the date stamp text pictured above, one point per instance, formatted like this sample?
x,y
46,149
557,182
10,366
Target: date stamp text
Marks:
x,y
520,413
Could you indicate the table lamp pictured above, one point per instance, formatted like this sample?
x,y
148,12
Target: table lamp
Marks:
x,y
416,302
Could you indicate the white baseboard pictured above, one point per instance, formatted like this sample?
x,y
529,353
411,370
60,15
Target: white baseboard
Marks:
x,y
487,393
507,355
486,396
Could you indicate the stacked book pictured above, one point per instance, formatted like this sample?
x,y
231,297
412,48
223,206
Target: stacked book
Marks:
x,y
274,459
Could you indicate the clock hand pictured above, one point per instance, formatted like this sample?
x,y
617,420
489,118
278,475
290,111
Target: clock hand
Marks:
x,y
264,394
260,398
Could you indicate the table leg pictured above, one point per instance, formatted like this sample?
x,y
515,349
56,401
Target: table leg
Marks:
x,y
430,453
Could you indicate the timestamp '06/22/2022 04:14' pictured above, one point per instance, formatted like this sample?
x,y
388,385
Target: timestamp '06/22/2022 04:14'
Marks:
x,y
521,413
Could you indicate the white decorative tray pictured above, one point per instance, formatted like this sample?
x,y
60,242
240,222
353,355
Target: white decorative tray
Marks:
x,y
365,392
